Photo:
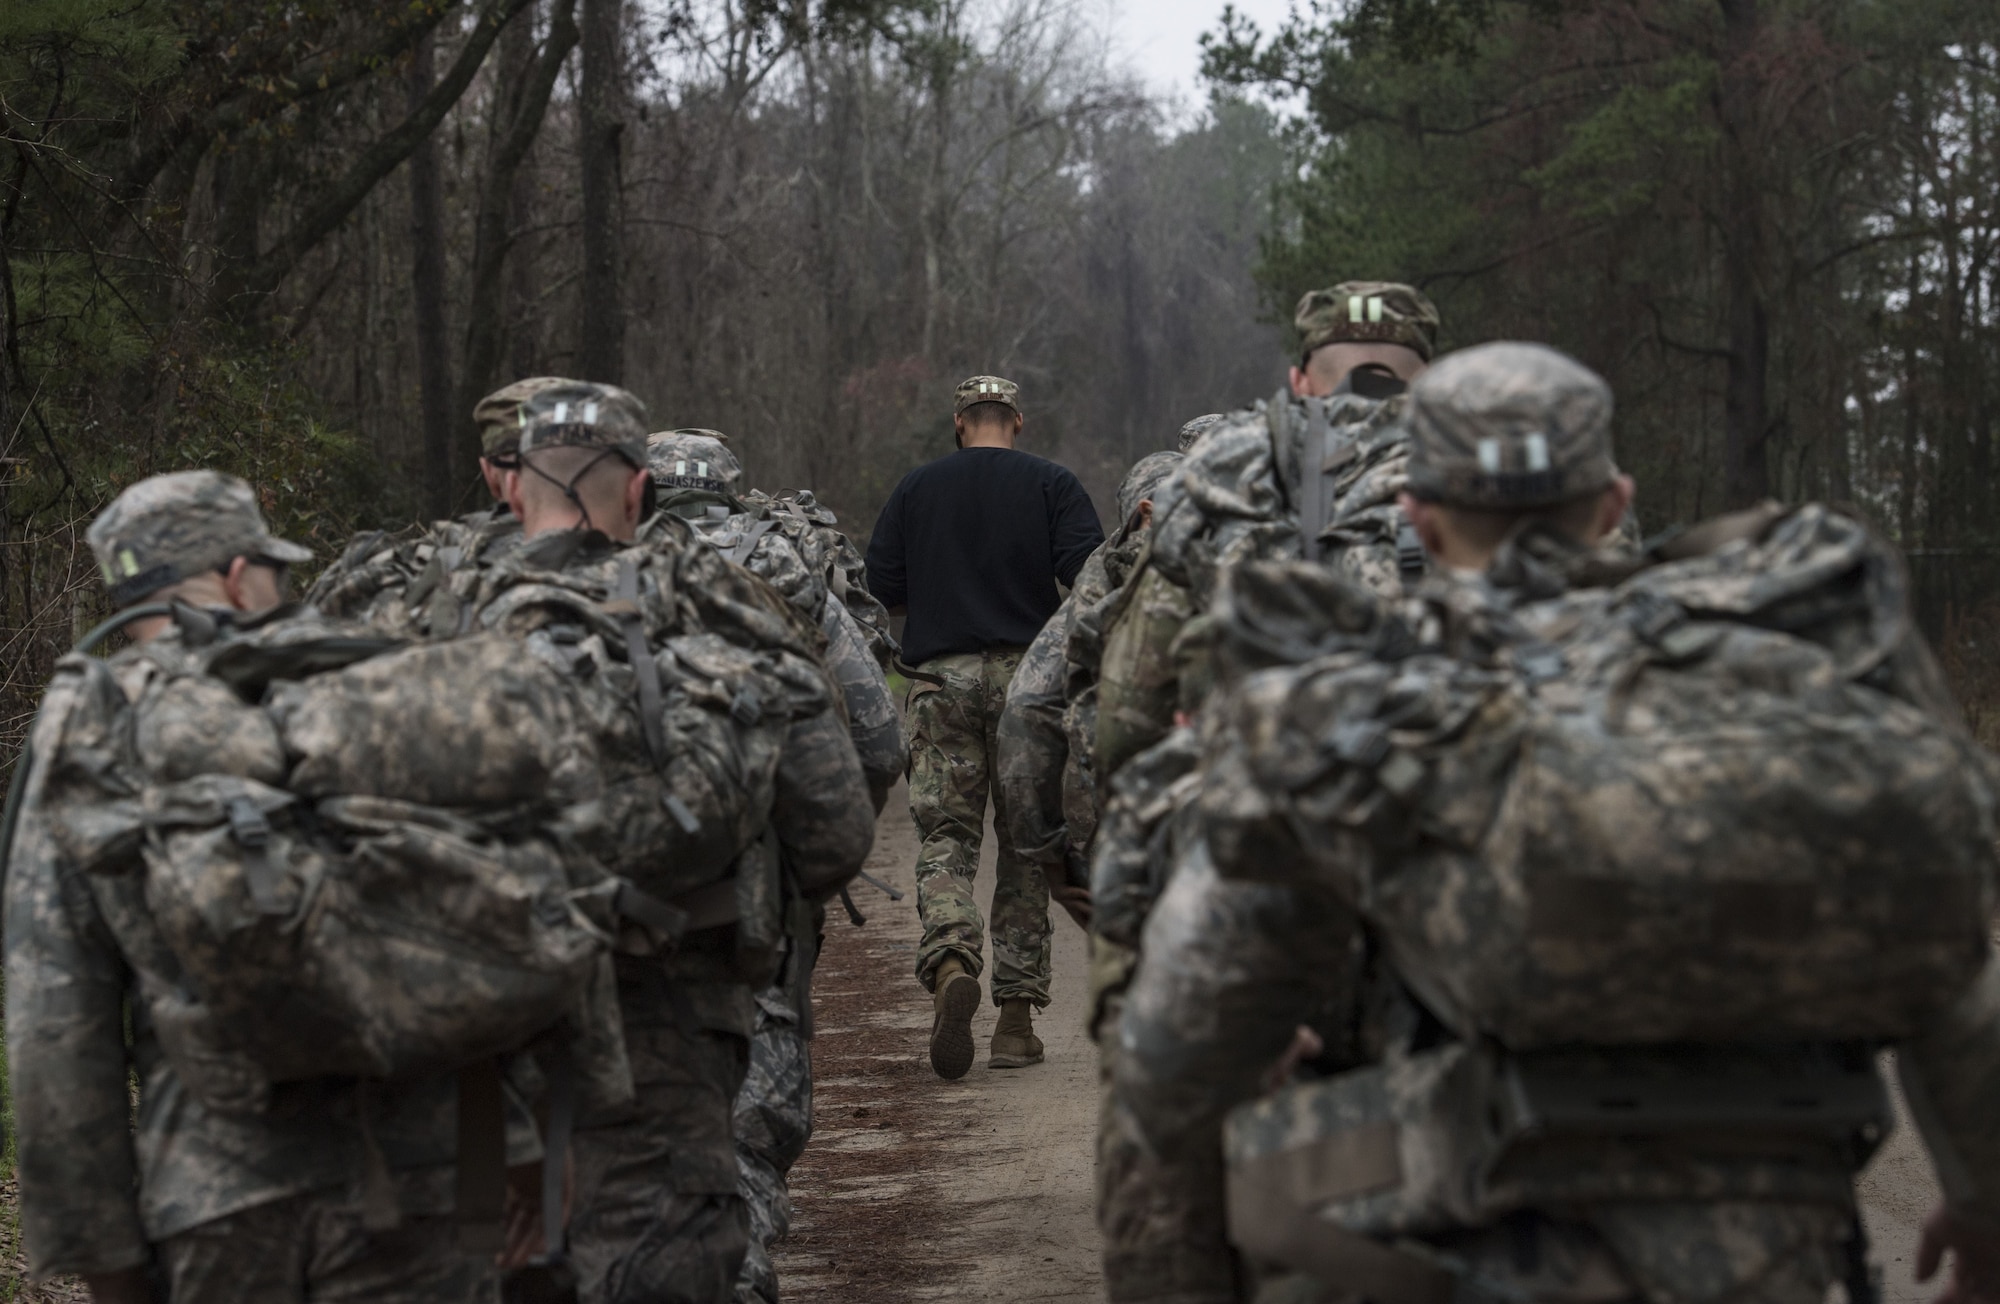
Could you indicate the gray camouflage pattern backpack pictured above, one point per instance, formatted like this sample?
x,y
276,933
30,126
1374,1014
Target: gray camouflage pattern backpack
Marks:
x,y
689,673
831,556
323,860
1310,478
1714,794
769,541
386,579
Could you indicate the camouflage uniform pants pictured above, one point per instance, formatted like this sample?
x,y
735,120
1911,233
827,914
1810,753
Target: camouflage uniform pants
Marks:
x,y
313,1247
951,728
1161,1231
773,1124
658,1218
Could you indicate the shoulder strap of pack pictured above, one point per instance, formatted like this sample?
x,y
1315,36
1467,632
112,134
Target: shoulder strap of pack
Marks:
x,y
1316,493
1411,561
624,608
748,543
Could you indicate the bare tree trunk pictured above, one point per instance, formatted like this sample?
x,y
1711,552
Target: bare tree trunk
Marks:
x,y
239,214
1746,400
517,121
602,333
337,201
427,283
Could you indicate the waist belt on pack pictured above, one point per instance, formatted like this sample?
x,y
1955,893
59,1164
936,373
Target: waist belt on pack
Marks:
x,y
711,906
1336,1177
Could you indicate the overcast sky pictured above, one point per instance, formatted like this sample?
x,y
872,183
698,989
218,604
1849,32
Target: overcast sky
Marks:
x,y
1159,39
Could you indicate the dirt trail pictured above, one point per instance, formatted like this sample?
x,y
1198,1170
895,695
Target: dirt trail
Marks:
x,y
917,1189
981,1190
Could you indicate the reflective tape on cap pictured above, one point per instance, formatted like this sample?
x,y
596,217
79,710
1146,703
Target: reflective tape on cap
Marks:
x,y
1538,452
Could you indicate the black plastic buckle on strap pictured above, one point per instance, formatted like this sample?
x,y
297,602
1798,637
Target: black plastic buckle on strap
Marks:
x,y
1411,559
1663,624
251,829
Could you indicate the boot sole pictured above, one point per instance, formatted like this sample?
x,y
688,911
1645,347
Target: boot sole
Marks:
x,y
951,1031
1012,1061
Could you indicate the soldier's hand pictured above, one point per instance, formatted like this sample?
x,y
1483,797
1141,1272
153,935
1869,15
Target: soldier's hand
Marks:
x,y
132,1286
1974,1243
1076,900
525,1241
1306,1045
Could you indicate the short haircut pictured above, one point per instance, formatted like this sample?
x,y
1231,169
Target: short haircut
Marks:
x,y
981,414
600,469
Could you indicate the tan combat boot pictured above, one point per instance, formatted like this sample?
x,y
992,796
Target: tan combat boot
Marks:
x,y
953,1001
1015,1045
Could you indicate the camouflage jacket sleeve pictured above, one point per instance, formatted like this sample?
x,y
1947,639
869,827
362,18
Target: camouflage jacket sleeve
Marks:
x,y
1138,686
1953,1076
821,809
66,986
873,718
1032,746
1228,971
1229,500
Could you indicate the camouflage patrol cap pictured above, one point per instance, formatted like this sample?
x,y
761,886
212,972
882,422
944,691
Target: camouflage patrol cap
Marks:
x,y
1144,480
581,414
986,389
1367,312
1198,427
1509,427
498,415
167,528
693,459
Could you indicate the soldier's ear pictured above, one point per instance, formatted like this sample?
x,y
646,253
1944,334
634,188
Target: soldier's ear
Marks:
x,y
1425,520
635,496
510,489
1616,501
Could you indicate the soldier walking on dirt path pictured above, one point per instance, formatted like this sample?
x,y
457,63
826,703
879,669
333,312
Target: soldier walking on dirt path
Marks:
x,y
182,1194
974,546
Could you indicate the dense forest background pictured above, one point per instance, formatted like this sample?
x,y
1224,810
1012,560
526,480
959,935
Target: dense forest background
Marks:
x,y
296,239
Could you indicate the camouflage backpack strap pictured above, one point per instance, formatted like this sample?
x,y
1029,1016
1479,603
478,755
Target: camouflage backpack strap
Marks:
x,y
1412,563
739,554
1317,488
624,608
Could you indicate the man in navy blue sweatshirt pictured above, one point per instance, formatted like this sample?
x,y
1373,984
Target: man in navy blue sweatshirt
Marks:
x,y
973,547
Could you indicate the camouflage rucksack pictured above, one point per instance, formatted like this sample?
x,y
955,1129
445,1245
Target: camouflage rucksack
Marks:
x,y
375,576
326,861
689,672
772,541
1314,478
1716,794
830,556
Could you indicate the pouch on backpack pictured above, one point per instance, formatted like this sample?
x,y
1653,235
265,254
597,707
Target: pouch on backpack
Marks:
x,y
364,936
